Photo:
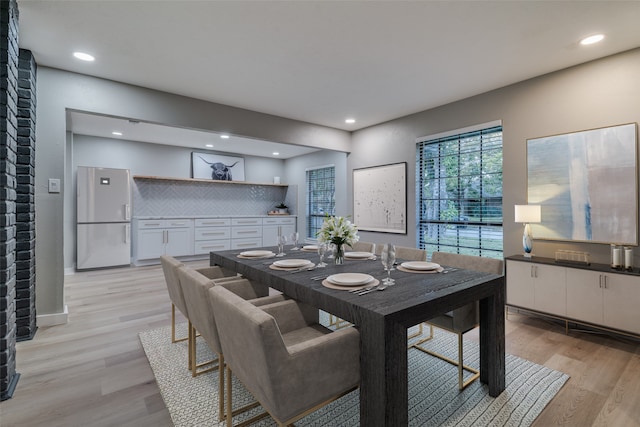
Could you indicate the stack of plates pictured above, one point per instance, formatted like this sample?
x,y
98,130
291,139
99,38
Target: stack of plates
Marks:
x,y
349,279
257,254
310,248
358,255
420,265
292,263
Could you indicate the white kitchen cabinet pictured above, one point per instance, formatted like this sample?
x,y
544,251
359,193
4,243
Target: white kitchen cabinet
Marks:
x,y
537,286
595,294
246,232
163,237
270,226
211,234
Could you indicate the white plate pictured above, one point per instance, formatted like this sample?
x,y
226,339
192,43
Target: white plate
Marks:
x,y
310,247
420,265
358,255
292,263
349,279
256,253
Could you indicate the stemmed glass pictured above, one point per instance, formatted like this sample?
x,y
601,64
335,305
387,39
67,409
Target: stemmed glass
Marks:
x,y
388,258
294,239
322,249
281,240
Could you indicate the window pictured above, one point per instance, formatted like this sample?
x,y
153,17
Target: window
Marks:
x,y
321,184
459,193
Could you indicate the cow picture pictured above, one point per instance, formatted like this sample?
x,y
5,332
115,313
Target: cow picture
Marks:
x,y
216,167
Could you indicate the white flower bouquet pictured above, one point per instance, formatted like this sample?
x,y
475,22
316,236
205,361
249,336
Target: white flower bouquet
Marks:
x,y
339,231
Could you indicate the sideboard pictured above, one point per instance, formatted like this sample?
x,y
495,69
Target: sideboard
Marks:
x,y
594,295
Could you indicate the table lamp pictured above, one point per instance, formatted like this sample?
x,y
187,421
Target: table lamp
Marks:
x,y
527,214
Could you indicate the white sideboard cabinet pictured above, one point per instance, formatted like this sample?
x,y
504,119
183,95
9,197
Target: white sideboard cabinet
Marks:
x,y
211,234
594,294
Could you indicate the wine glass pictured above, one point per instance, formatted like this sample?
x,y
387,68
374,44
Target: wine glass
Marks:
x,y
322,249
388,258
281,241
294,239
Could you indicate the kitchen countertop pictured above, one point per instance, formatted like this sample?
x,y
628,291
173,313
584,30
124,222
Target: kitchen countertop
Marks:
x,y
212,216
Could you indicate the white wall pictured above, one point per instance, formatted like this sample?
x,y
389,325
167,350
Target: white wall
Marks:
x,y
295,173
601,93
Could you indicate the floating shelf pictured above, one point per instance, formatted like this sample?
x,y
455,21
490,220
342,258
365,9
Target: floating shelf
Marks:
x,y
208,181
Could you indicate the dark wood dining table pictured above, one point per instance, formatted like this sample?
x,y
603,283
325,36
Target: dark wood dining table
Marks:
x,y
383,318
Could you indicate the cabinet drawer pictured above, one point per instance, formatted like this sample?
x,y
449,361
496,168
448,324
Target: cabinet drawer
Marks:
x,y
150,223
246,232
212,222
246,243
212,233
208,246
178,223
278,221
246,221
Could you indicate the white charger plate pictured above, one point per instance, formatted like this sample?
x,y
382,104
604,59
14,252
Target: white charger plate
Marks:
x,y
358,255
256,254
292,263
310,247
420,265
349,279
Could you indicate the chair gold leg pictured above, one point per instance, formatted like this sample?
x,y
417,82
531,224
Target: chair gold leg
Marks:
x,y
221,371
230,412
173,327
194,365
459,363
229,398
416,334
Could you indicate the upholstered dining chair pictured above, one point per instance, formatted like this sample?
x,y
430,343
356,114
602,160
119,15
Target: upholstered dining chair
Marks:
x,y
295,365
363,247
405,253
461,319
195,287
169,268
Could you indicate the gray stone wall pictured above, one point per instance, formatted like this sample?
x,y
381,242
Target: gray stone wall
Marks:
x,y
25,199
8,158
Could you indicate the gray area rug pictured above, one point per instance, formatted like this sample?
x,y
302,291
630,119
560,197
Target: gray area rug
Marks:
x,y
434,399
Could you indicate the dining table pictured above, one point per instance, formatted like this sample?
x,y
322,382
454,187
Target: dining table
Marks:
x,y
383,318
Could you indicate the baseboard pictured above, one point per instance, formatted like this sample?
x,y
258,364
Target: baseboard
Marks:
x,y
53,319
69,271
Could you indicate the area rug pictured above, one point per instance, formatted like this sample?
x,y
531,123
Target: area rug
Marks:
x,y
434,399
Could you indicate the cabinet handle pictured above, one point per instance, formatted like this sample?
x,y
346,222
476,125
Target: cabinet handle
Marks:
x,y
605,281
165,236
247,232
213,234
600,281
151,224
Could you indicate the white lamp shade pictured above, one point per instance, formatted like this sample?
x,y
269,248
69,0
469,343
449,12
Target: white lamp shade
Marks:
x,y
528,213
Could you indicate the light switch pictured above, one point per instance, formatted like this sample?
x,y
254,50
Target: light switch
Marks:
x,y
54,185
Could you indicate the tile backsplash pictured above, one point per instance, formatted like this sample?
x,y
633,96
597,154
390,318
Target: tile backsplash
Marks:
x,y
164,197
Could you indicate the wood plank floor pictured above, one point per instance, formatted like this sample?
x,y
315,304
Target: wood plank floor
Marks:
x,y
93,371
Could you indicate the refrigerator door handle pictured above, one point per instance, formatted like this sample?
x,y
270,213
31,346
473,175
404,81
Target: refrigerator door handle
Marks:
x,y
127,212
127,231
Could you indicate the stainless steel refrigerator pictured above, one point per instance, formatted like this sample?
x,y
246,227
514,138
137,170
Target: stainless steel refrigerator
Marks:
x,y
103,218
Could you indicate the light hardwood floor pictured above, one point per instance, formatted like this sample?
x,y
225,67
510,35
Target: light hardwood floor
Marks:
x,y
93,371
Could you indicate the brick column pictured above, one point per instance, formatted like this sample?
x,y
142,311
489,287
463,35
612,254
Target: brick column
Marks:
x,y
8,157
25,201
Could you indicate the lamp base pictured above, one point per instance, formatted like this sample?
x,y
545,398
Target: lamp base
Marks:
x,y
528,255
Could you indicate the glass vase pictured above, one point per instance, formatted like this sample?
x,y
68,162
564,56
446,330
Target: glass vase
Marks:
x,y
338,255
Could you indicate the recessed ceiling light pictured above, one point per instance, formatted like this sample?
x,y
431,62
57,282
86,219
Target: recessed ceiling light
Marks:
x,y
275,153
209,145
592,39
224,136
84,56
350,121
116,133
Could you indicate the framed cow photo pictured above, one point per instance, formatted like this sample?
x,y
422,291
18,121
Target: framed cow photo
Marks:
x,y
217,167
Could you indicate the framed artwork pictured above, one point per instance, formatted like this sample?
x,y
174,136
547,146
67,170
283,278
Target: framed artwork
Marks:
x,y
587,185
217,167
380,198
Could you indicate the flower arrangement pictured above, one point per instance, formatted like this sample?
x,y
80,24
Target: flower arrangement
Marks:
x,y
339,231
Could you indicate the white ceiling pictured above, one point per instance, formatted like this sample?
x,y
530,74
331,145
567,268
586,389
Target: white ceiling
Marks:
x,y
324,61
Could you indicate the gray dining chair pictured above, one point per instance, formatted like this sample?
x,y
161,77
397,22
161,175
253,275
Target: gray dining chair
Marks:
x,y
363,247
462,319
195,287
294,365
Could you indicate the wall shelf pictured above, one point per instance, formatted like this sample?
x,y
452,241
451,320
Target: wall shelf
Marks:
x,y
208,181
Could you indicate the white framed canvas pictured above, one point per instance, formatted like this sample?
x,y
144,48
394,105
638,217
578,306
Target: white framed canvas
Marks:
x,y
217,167
380,198
586,185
